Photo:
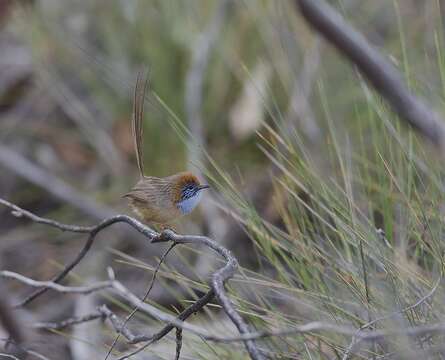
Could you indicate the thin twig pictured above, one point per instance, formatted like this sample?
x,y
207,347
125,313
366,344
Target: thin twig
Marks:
x,y
87,246
19,212
178,343
195,307
75,320
311,327
54,286
120,328
217,282
133,312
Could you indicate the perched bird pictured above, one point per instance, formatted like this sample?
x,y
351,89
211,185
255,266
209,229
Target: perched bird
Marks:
x,y
159,200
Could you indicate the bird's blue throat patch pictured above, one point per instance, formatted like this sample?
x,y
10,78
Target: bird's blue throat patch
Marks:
x,y
188,204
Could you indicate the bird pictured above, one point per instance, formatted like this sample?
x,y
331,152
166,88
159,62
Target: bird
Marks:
x,y
159,200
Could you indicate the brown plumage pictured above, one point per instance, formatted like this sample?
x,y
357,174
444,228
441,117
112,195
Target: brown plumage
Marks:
x,y
153,199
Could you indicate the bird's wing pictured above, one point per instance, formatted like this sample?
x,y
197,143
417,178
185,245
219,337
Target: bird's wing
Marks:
x,y
150,190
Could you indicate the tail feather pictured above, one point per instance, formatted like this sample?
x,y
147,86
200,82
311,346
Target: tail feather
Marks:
x,y
137,121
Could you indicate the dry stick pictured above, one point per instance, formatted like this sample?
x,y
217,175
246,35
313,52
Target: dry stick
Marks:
x,y
19,212
133,312
379,71
131,298
63,273
119,326
312,327
178,343
195,307
92,230
54,286
103,312
75,320
218,278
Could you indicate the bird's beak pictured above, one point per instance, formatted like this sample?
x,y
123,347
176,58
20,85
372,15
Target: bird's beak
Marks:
x,y
202,187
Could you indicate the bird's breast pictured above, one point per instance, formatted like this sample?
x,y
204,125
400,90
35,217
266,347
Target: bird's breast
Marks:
x,y
187,205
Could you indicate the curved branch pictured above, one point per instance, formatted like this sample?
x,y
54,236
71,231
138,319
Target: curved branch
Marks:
x,y
217,283
312,327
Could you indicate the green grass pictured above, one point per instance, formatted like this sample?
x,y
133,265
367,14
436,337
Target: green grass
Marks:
x,y
324,259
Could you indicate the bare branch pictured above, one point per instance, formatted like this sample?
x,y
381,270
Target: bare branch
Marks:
x,y
178,343
120,328
19,212
52,285
75,320
379,71
105,312
218,280
312,327
217,283
195,307
133,312
87,246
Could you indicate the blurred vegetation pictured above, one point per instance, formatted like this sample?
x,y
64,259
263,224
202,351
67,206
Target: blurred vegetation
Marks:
x,y
352,225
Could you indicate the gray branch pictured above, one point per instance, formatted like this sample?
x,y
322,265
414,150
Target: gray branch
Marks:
x,y
217,283
54,286
375,67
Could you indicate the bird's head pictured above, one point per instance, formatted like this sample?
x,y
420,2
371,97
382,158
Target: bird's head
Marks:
x,y
188,191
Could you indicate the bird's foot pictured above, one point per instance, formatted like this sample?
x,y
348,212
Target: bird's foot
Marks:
x,y
164,234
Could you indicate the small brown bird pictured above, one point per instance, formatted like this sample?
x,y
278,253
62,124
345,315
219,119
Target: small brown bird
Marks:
x,y
159,200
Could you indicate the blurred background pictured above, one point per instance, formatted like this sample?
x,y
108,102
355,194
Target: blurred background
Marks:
x,y
333,207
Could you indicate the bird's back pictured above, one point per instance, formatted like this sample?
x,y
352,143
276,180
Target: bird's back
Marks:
x,y
153,200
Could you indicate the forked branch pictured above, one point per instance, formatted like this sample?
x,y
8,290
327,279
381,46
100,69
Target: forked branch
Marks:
x,y
217,283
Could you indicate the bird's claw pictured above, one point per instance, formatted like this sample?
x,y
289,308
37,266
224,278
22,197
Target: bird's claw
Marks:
x,y
164,236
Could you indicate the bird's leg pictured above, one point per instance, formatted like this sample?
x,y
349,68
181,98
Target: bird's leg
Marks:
x,y
163,233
